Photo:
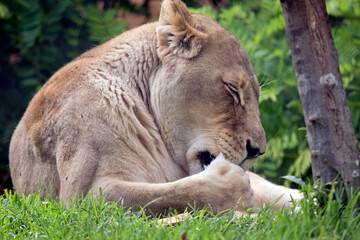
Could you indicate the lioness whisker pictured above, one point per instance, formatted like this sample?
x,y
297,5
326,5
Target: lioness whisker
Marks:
x,y
267,83
263,78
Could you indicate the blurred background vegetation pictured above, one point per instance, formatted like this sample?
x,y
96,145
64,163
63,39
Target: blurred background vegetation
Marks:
x,y
37,37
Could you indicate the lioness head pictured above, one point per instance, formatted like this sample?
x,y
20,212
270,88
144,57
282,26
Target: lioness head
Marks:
x,y
205,93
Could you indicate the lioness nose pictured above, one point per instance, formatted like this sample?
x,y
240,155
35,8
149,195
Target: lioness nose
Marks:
x,y
252,152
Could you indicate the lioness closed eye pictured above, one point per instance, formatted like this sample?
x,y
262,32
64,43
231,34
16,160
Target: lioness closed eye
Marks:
x,y
166,111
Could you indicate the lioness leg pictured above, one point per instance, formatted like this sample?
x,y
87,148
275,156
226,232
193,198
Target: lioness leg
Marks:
x,y
221,186
266,192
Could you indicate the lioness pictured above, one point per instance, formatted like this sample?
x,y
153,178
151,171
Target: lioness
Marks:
x,y
167,111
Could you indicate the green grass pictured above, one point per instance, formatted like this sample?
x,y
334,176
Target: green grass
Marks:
x,y
29,217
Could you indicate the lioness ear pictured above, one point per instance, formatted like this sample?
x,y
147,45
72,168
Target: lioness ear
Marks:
x,y
177,32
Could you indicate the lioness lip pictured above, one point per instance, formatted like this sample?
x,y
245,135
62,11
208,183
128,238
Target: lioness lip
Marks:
x,y
254,156
205,158
251,158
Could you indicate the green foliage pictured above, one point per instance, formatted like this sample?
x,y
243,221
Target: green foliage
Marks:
x,y
30,217
259,26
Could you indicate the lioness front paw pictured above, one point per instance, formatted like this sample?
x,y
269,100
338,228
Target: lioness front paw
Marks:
x,y
229,185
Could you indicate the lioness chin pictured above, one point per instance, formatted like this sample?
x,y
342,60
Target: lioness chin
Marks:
x,y
167,111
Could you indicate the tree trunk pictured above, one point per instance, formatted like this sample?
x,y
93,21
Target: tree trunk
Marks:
x,y
333,146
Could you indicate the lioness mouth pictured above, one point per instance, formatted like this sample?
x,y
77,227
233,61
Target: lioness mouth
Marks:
x,y
205,158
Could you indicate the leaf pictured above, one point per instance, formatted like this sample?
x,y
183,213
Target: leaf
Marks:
x,y
30,82
30,24
109,15
56,11
294,180
26,72
4,12
30,36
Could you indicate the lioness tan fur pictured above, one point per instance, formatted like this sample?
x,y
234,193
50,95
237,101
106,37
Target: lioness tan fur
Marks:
x,y
143,116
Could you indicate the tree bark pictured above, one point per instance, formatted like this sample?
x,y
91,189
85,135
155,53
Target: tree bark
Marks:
x,y
330,133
